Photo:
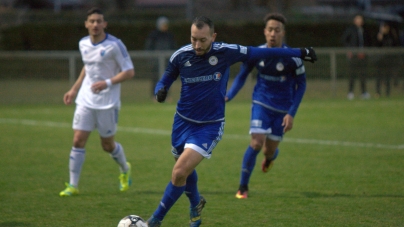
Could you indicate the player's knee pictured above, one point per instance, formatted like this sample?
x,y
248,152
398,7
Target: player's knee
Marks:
x,y
108,146
256,145
78,142
179,177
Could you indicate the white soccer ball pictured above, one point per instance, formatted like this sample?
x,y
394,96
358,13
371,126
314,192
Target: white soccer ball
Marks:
x,y
132,221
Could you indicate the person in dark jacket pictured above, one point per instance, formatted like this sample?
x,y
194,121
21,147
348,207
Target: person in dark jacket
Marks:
x,y
157,40
357,36
386,63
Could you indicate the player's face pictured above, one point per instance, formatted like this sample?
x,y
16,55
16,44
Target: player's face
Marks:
x,y
274,32
201,39
95,24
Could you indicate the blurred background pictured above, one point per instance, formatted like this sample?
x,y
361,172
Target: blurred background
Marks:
x,y
39,57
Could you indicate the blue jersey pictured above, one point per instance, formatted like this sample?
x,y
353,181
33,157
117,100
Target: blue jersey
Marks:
x,y
204,78
281,82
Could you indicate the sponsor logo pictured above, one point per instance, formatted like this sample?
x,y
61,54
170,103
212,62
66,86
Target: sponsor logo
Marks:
x,y
102,53
213,60
217,76
273,78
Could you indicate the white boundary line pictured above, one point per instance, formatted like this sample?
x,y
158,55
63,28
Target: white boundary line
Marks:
x,y
230,136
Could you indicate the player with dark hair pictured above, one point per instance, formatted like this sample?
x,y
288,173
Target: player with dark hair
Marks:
x,y
281,83
106,64
203,67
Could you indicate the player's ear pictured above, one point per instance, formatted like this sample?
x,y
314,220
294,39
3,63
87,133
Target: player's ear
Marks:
x,y
214,36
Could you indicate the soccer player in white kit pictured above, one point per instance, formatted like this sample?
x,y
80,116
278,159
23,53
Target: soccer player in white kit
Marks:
x,y
106,64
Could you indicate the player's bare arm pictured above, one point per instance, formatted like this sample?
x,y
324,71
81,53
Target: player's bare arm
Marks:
x,y
287,123
120,77
71,94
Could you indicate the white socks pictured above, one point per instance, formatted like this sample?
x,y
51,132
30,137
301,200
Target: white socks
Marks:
x,y
77,156
119,156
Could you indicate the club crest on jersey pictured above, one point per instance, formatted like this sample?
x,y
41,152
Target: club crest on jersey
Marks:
x,y
217,76
280,66
213,60
102,53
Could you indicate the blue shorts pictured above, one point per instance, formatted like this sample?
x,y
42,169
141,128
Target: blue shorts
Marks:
x,y
266,121
202,138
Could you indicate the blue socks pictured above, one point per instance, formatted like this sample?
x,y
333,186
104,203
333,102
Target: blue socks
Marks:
x,y
276,154
171,195
191,189
250,157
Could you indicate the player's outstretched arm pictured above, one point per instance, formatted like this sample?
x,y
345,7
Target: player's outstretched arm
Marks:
x,y
308,54
240,79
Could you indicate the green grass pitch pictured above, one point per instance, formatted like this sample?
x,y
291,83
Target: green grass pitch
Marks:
x,y
341,165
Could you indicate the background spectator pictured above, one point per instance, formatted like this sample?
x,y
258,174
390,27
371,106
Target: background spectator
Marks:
x,y
386,63
357,36
159,39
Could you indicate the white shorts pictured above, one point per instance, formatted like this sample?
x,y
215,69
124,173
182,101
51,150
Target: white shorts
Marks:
x,y
86,119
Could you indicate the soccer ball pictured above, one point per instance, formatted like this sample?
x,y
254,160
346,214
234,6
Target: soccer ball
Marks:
x,y
132,221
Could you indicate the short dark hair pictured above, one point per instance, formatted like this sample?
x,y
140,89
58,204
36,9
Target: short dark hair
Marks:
x,y
94,10
199,22
275,16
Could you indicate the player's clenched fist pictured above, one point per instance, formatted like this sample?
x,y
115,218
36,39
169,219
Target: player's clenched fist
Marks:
x,y
161,95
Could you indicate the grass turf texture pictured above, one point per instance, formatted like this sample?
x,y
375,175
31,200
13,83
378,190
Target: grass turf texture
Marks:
x,y
341,165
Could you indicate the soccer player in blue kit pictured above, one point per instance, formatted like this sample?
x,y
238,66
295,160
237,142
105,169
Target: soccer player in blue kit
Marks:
x,y
281,83
203,67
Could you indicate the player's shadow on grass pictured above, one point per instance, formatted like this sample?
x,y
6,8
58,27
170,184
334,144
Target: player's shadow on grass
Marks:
x,y
339,195
14,224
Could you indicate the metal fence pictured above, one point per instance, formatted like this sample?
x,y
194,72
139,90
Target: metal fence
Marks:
x,y
326,78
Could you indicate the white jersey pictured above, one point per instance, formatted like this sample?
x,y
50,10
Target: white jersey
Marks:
x,y
102,61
